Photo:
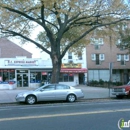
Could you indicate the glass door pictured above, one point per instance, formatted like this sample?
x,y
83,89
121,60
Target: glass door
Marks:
x,y
22,80
25,80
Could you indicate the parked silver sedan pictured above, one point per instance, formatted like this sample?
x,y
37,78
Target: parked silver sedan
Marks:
x,y
50,92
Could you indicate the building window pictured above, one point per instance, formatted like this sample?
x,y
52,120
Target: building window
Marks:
x,y
66,77
120,45
118,57
69,55
80,56
122,62
126,57
102,57
122,58
98,58
6,75
93,57
35,77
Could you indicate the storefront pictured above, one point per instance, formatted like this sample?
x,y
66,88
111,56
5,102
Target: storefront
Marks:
x,y
73,74
26,72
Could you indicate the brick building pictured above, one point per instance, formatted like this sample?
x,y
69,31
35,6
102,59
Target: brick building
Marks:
x,y
99,57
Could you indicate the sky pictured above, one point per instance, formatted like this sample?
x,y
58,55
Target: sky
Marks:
x,y
29,47
36,53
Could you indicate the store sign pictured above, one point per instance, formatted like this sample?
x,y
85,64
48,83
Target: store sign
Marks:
x,y
44,73
7,70
21,62
71,65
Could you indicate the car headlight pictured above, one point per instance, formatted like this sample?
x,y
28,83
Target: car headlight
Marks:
x,y
20,95
123,89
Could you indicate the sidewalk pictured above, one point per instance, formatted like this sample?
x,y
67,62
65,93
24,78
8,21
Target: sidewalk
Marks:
x,y
8,96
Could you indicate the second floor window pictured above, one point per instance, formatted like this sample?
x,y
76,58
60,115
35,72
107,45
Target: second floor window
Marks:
x,y
69,55
98,58
80,56
122,58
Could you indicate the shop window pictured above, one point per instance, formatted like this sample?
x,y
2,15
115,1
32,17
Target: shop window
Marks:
x,y
6,75
35,77
66,77
61,78
11,75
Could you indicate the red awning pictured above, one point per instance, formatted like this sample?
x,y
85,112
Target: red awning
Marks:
x,y
83,70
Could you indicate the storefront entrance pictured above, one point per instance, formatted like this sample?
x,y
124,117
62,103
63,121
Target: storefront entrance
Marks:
x,y
22,78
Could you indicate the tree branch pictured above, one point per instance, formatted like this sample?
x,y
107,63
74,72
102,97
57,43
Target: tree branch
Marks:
x,y
57,13
85,33
26,38
23,14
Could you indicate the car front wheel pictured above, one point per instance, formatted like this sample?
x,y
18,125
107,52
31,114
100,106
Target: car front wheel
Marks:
x,y
71,98
31,99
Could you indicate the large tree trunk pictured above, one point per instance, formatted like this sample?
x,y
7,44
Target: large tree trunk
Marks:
x,y
56,62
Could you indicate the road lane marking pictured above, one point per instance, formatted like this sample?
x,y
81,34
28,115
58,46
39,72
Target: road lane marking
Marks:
x,y
62,115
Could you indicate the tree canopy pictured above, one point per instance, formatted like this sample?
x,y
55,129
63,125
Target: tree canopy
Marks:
x,y
63,23
124,36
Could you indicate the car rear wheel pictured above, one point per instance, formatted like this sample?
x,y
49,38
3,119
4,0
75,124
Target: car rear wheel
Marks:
x,y
71,98
31,99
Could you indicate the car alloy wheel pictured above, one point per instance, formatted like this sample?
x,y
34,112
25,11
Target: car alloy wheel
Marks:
x,y
71,98
31,99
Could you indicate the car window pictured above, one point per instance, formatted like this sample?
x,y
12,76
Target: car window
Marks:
x,y
62,87
49,87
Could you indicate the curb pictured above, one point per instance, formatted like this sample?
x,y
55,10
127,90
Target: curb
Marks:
x,y
53,102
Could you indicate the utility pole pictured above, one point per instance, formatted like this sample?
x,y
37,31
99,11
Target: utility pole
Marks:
x,y
110,72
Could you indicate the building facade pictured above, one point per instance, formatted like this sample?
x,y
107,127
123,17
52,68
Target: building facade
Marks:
x,y
19,69
74,69
107,62
23,72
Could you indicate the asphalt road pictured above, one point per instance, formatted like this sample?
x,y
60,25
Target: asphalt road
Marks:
x,y
65,116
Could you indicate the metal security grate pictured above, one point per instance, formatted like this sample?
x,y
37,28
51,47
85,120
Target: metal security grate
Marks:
x,y
118,90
